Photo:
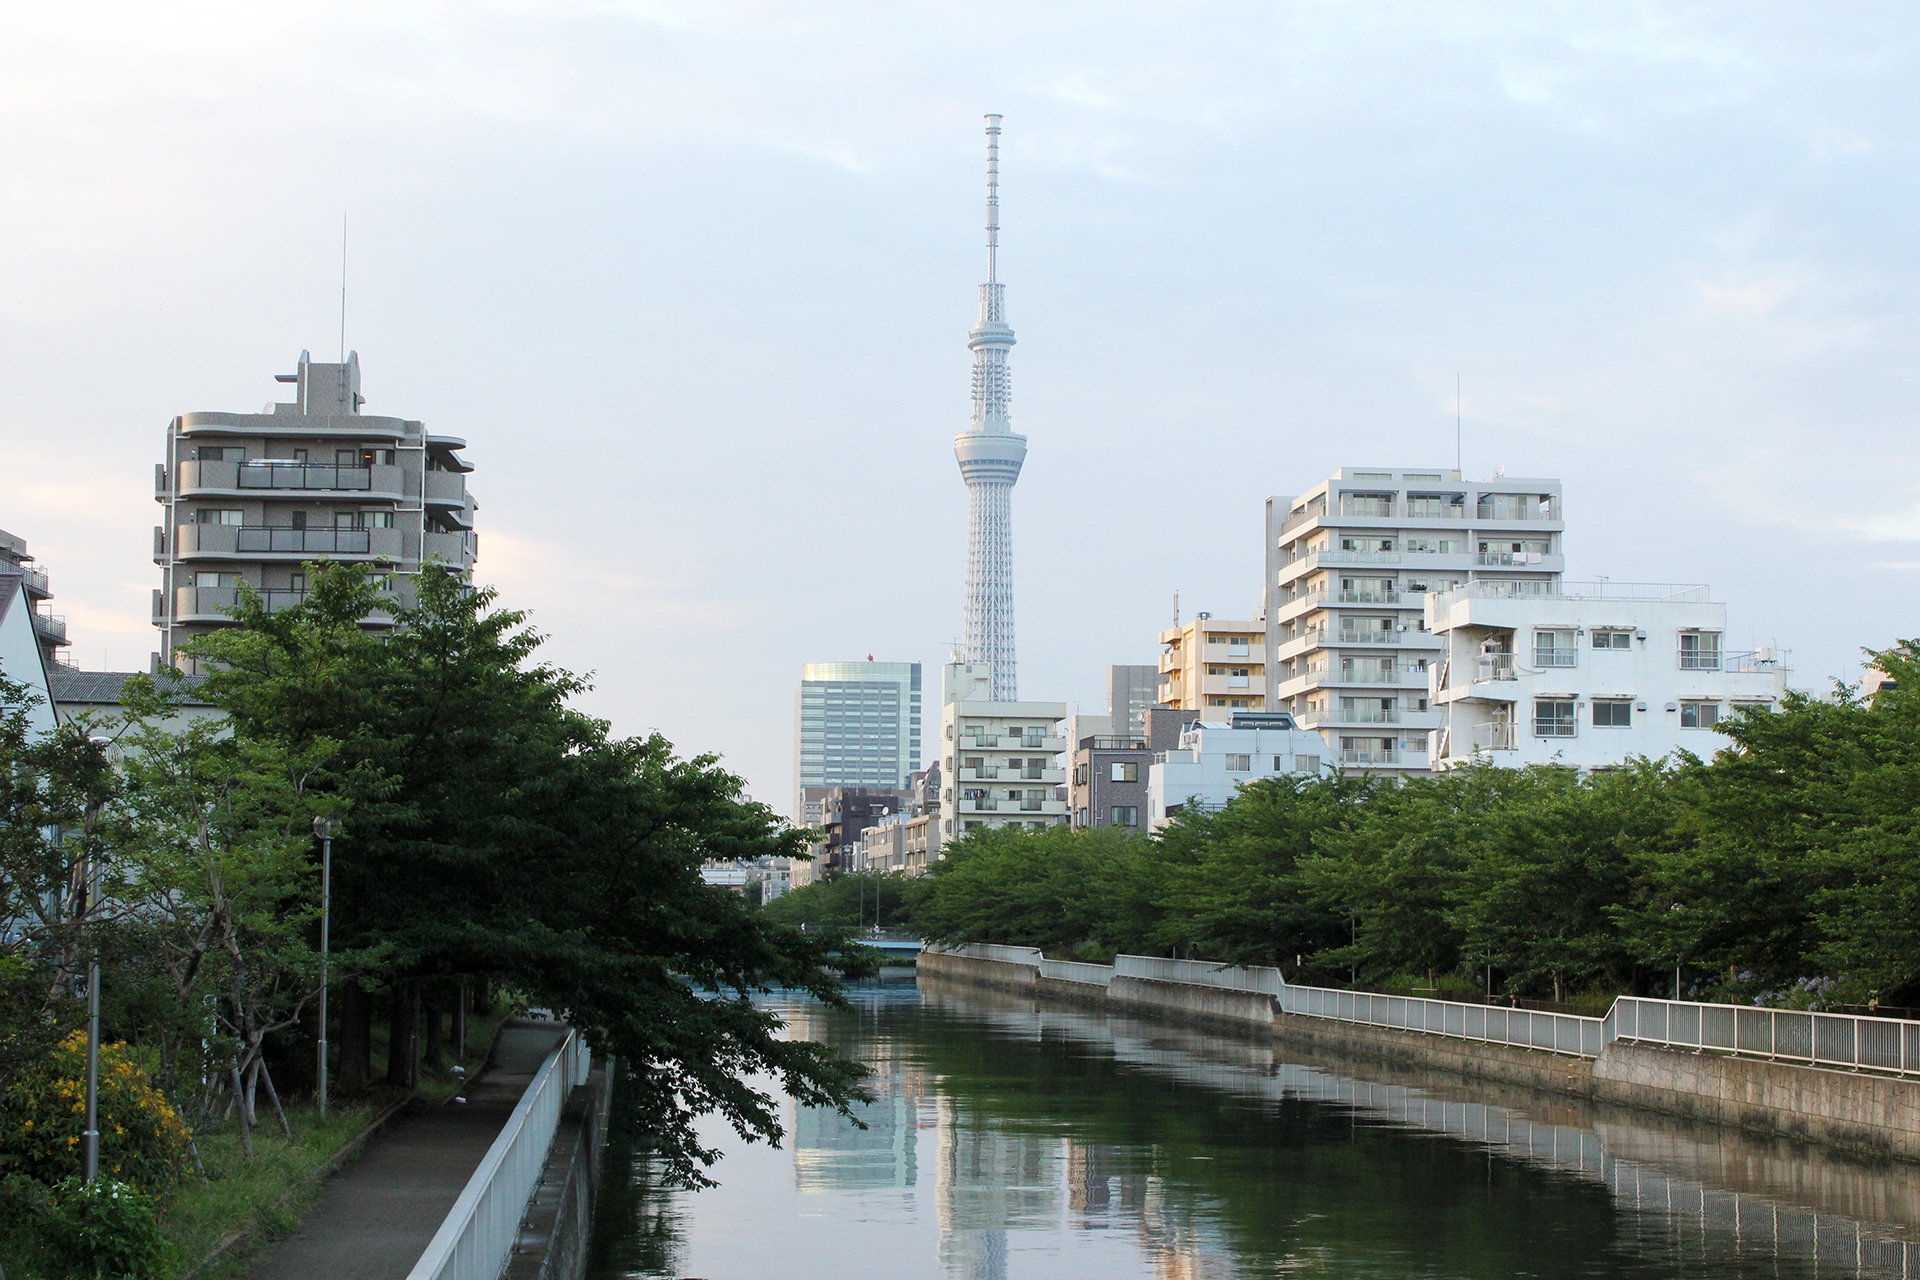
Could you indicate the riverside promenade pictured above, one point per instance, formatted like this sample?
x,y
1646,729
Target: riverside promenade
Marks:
x,y
377,1215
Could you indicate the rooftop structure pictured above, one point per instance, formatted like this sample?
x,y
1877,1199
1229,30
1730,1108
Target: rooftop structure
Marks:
x,y
250,498
1586,674
990,456
1350,563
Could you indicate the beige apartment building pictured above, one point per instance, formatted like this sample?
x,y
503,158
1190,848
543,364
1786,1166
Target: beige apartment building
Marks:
x,y
1350,563
999,762
250,498
1214,667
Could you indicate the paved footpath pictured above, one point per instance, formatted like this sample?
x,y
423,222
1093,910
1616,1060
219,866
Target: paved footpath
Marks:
x,y
378,1214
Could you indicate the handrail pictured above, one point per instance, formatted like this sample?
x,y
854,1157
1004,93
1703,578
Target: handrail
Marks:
x,y
475,1241
1789,1035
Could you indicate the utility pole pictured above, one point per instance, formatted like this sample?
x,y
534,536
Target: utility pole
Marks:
x,y
323,827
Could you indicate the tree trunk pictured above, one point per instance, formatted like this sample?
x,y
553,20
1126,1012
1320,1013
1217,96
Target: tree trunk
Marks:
x,y
273,1096
240,1106
356,1039
399,1033
460,1024
433,1011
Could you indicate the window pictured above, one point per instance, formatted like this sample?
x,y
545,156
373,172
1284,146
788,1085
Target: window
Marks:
x,y
299,519
1306,764
971,826
1239,763
1080,816
208,578
1699,715
1553,718
1124,815
1699,651
1082,775
1553,649
1125,771
205,516
1279,764
215,453
376,519
1612,638
1216,702
1216,639
1036,826
1613,713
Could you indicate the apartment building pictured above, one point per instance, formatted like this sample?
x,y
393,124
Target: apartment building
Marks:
x,y
1585,675
1211,761
250,498
855,724
49,630
1109,776
1214,667
1350,563
998,759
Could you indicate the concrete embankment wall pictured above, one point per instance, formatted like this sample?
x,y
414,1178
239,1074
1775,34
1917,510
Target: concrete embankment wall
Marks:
x,y
557,1232
1852,1111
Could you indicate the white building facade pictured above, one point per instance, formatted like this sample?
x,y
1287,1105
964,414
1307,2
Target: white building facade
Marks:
x,y
999,760
1585,675
1214,760
1350,564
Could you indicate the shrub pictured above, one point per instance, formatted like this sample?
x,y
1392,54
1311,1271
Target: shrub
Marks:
x,y
106,1226
143,1141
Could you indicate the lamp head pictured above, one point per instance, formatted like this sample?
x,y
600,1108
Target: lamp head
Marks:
x,y
324,827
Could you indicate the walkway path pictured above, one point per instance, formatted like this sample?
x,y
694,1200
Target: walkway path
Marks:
x,y
377,1215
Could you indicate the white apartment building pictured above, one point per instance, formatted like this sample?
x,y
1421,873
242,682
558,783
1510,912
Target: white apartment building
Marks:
x,y
998,759
1350,564
1585,675
1214,760
1214,667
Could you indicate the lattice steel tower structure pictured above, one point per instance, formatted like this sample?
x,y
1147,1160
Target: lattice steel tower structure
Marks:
x,y
990,455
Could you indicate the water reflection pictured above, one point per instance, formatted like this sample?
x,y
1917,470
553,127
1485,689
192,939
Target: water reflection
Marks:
x,y
1061,1143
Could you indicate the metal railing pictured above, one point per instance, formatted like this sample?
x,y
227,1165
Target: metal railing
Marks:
x,y
1498,667
302,476
1367,637
1376,596
1823,1039
1363,755
476,1239
1820,1039
274,538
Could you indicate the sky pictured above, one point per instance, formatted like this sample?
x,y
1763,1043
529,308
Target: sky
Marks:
x,y
694,281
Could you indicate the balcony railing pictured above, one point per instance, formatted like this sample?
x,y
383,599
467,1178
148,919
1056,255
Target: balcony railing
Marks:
x,y
36,580
1510,557
988,772
1033,806
983,806
1368,597
1499,666
1364,715
1363,675
1755,660
1367,637
981,739
1112,744
1368,508
1699,659
1298,518
269,538
1497,736
302,476
50,627
1353,557
1429,509
1556,657
1033,775
1523,509
1369,755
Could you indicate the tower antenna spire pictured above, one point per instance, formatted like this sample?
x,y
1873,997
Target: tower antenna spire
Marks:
x,y
990,455
993,198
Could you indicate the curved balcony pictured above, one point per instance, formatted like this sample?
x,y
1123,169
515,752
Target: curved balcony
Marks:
x,y
216,604
260,478
274,542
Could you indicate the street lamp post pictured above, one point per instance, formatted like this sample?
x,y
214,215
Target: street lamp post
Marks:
x,y
90,1136
323,827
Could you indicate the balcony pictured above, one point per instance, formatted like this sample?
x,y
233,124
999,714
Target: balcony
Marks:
x,y
1363,675
1368,508
51,628
1516,508
1367,637
1313,512
446,488
980,740
1112,744
1515,559
1033,806
1369,755
984,774
1499,666
1367,597
1313,558
216,604
1430,509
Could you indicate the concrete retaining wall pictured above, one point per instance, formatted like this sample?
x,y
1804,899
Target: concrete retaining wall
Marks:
x,y
557,1233
1850,1111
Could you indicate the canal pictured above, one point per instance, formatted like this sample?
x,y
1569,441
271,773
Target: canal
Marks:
x,y
1009,1140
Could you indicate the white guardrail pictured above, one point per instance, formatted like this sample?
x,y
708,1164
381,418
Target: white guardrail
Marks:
x,y
1818,1039
476,1240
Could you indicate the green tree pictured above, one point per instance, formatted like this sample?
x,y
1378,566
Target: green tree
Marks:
x,y
494,832
1065,890
847,901
56,788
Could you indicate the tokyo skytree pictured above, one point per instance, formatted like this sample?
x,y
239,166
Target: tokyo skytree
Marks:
x,y
990,455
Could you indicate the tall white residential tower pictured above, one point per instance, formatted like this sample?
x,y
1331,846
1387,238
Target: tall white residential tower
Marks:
x,y
990,455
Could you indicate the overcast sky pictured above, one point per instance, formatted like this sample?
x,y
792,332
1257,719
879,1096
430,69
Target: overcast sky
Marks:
x,y
694,280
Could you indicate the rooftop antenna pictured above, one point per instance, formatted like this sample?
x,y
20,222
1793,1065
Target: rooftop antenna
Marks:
x,y
1176,608
1456,420
343,287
